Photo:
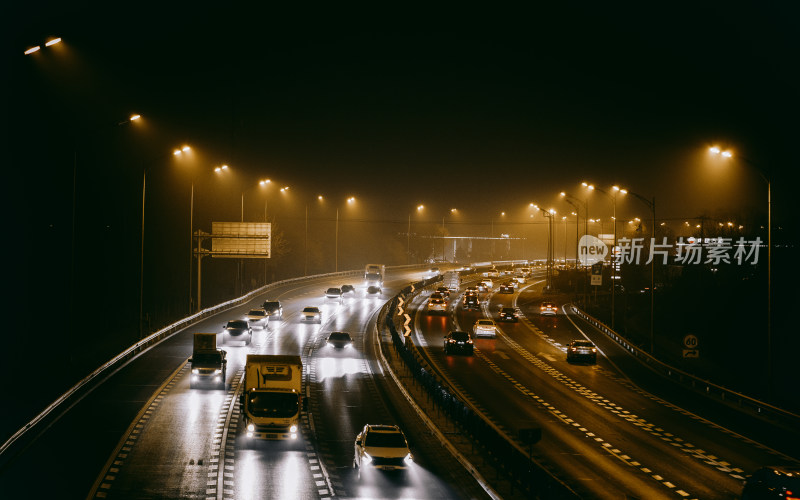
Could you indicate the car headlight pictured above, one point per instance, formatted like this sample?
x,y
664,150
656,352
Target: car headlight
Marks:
x,y
594,350
251,427
217,372
408,459
293,428
196,371
366,458
469,341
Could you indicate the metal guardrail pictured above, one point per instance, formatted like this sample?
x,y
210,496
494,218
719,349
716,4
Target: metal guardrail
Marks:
x,y
507,456
83,386
158,336
755,406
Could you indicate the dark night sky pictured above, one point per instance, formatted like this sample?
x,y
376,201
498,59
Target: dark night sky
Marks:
x,y
348,97
484,109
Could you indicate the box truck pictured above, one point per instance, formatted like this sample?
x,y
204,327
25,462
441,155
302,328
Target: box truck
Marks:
x,y
272,396
374,274
207,362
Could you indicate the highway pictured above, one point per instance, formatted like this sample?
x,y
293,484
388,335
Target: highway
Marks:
x,y
610,430
145,434
604,435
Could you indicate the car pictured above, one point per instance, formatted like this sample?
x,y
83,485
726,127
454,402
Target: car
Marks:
x,y
493,273
458,341
506,288
508,314
382,447
237,330
432,272
471,302
581,349
348,289
208,367
548,309
333,293
778,482
484,327
274,309
339,340
444,291
258,317
488,282
374,290
437,304
471,289
311,314
520,280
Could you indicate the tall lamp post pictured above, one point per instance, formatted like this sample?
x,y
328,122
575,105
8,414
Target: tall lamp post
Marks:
x,y
177,152
651,204
420,208
549,214
572,200
727,155
615,190
350,200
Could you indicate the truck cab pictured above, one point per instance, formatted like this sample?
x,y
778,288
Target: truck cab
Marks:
x,y
208,364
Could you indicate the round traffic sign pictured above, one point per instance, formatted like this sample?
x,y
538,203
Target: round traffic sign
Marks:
x,y
690,341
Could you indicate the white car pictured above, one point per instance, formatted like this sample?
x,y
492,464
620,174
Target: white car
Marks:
x,y
437,304
311,315
382,447
489,283
258,318
485,328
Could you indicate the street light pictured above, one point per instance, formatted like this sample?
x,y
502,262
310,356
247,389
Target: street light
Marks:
x,y
651,204
37,48
549,214
616,190
420,208
350,201
177,152
728,154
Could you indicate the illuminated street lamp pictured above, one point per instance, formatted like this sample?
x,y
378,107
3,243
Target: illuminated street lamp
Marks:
x,y
350,201
420,208
613,195
651,204
177,152
549,214
37,48
728,154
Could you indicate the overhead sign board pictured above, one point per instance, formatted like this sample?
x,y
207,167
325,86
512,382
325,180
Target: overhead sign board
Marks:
x,y
241,240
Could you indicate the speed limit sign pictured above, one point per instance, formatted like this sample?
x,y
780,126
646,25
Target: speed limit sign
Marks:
x,y
690,341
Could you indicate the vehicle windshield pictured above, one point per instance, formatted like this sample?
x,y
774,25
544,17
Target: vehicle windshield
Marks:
x,y
339,336
582,343
334,291
485,322
273,404
459,336
508,310
206,358
237,324
310,310
258,312
385,440
271,306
